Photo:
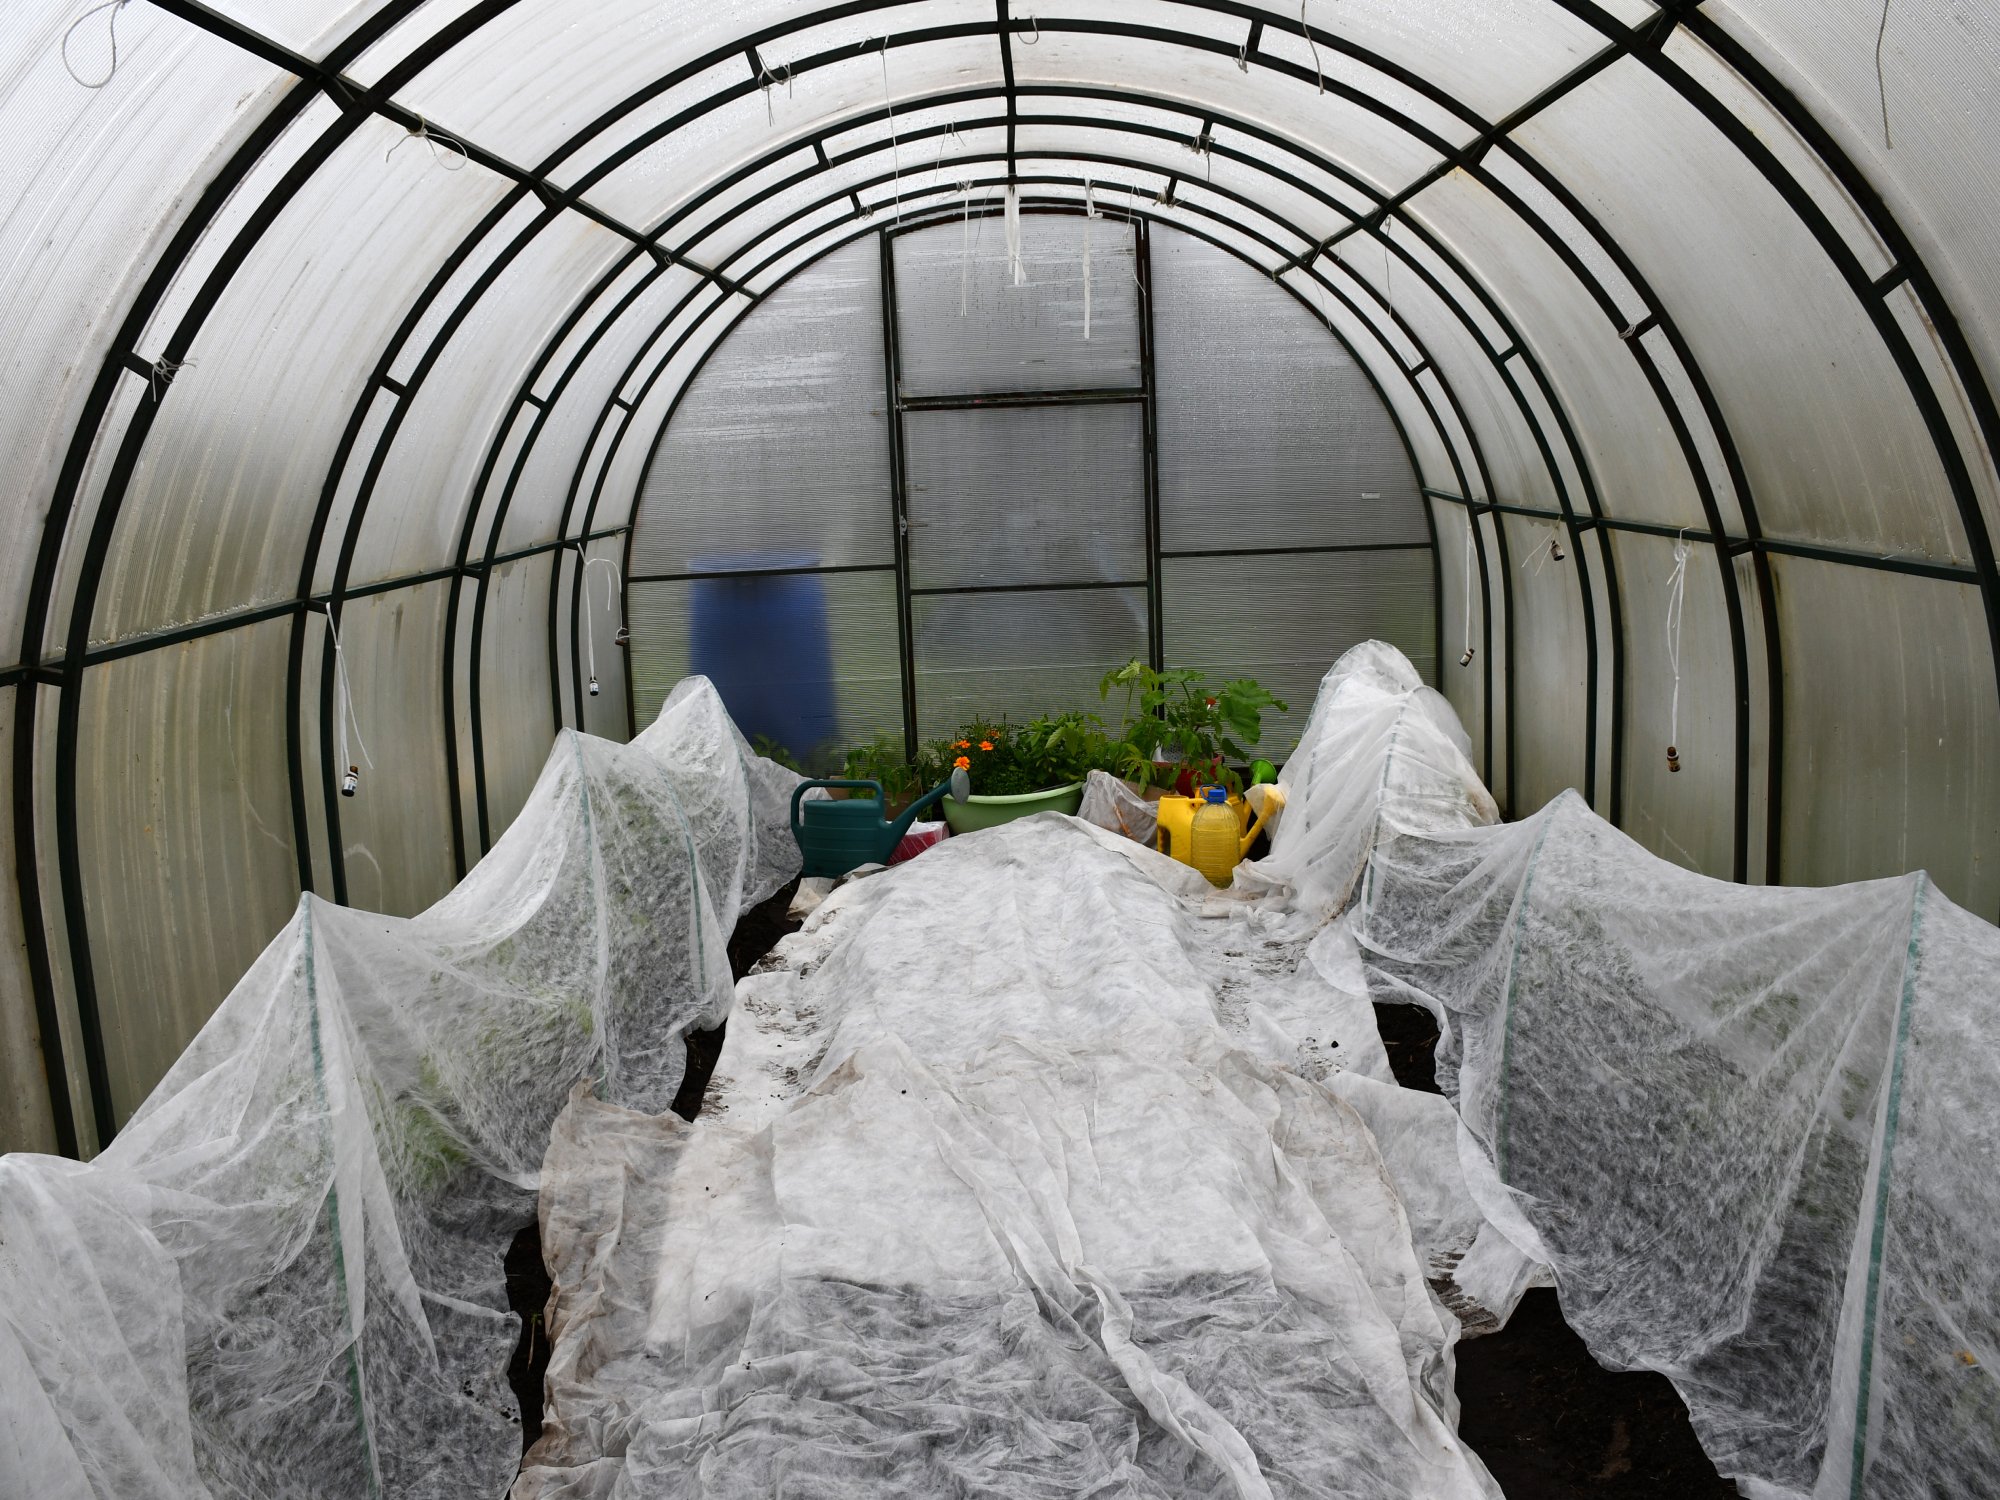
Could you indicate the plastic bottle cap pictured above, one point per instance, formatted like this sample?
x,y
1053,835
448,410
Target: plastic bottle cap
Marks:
x,y
1218,794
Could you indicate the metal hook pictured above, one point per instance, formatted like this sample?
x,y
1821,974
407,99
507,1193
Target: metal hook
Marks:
x,y
1029,41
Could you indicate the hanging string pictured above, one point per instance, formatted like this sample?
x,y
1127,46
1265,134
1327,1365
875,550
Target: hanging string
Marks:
x,y
344,715
424,133
1011,207
114,6
1306,32
613,593
1550,550
1471,543
162,375
1029,39
1881,84
1243,57
1089,213
895,146
1676,600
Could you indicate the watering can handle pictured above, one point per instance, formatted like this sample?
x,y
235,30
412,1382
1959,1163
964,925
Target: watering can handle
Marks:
x,y
803,787
1274,801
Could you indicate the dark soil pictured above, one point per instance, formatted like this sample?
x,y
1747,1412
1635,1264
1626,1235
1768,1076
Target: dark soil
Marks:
x,y
528,1286
1549,1421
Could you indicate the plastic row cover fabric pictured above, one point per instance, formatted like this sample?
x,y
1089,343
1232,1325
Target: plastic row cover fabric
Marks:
x,y
996,1192
1380,749
283,1278
1754,1132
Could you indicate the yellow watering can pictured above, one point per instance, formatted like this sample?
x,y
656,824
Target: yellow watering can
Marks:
x,y
1176,830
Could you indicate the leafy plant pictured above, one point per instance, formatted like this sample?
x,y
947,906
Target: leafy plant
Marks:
x,y
771,749
882,759
1176,717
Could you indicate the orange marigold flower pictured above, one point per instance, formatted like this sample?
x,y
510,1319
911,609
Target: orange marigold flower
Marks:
x,y
962,745
964,763
986,744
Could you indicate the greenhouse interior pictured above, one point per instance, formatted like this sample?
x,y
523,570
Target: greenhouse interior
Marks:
x,y
1157,748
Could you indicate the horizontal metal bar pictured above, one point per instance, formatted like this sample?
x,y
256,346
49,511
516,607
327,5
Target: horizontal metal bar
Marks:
x,y
236,619
1298,551
1030,588
1737,546
761,572
1106,397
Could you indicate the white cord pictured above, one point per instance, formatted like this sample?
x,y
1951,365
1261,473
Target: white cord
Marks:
x,y
1470,542
114,6
1089,213
1676,601
1306,32
345,714
1011,206
431,138
1547,551
895,146
1881,83
611,597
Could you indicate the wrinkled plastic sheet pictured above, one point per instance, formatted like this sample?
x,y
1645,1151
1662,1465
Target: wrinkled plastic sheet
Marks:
x,y
1754,1132
1035,1167
283,1277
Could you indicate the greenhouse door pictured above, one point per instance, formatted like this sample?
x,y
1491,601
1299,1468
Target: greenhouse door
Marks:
x,y
1022,460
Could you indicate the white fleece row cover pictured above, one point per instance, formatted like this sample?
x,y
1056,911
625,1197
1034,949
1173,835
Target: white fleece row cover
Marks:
x,y
284,1276
1033,1167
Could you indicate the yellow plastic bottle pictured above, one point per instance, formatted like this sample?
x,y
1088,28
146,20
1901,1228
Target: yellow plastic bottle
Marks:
x,y
1215,838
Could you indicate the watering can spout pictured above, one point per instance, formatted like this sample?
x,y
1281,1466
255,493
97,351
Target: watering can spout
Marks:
x,y
959,785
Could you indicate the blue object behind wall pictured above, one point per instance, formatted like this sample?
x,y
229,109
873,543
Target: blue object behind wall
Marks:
x,y
762,640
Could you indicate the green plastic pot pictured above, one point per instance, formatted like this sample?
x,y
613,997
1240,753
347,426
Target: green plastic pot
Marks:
x,y
977,812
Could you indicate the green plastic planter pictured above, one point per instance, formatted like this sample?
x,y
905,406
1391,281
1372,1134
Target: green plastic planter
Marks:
x,y
977,812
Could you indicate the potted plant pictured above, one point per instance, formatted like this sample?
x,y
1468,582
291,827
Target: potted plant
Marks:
x,y
1181,732
1016,771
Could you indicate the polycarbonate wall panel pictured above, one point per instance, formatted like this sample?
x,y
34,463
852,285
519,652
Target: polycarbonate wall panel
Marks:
x,y
395,833
778,455
1686,816
27,1122
810,658
224,494
1285,620
90,180
1013,656
1833,443
184,835
427,481
1550,663
1635,457
1892,734
966,328
515,718
1270,434
1038,494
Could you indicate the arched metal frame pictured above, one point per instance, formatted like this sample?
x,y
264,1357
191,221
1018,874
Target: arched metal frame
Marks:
x,y
1361,300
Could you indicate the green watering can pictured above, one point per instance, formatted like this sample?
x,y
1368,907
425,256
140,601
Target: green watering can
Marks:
x,y
838,836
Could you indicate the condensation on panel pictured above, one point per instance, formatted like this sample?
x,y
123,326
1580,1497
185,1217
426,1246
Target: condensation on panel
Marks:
x,y
1892,734
395,832
1686,816
1285,620
224,493
965,327
778,455
89,177
27,1121
1039,494
1270,433
516,722
809,662
185,837
1013,656
1832,442
1550,662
